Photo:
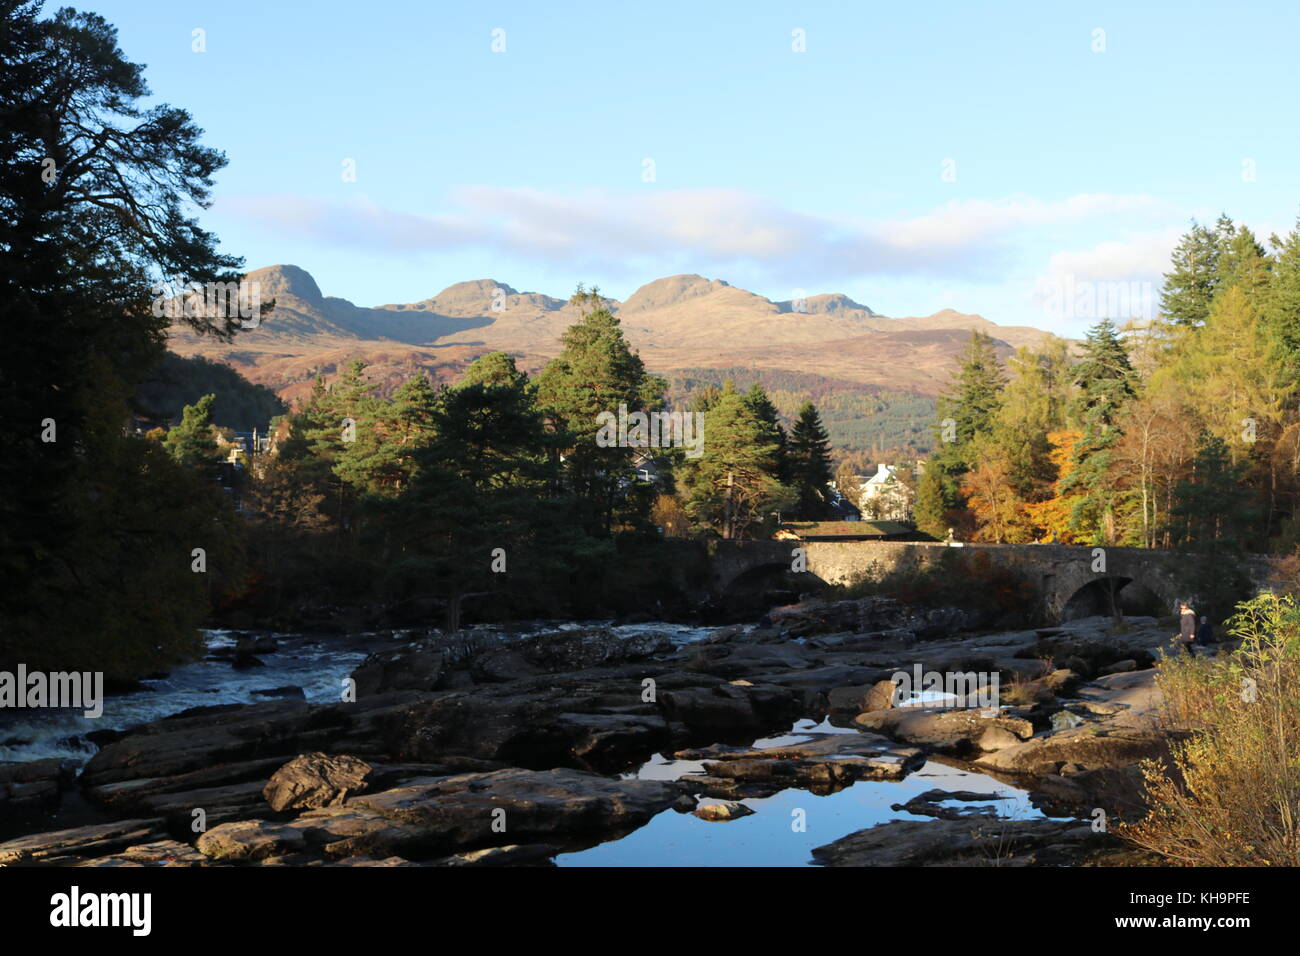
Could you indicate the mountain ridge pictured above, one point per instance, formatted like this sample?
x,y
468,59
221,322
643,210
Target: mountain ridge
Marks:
x,y
675,322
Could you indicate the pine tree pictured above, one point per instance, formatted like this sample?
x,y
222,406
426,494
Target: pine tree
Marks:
x,y
1190,285
967,410
733,486
758,402
974,398
809,458
597,372
476,489
1106,382
1244,264
99,190
191,442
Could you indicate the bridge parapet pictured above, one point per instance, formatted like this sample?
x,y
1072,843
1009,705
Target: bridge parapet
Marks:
x,y
1057,572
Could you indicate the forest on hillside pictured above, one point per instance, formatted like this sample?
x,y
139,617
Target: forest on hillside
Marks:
x,y
864,423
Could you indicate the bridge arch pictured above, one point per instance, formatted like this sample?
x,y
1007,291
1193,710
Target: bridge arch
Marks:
x,y
1107,594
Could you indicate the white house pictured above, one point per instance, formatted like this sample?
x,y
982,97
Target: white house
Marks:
x,y
884,495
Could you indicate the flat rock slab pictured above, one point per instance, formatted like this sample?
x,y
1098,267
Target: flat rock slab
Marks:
x,y
971,841
947,731
452,813
98,840
824,764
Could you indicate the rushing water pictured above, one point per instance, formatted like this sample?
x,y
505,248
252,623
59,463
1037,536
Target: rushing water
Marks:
x,y
315,663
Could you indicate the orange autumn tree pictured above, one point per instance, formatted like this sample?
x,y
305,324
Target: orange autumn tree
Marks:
x,y
1054,515
991,496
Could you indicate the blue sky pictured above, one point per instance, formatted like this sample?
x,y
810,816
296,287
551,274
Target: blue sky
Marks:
x,y
913,156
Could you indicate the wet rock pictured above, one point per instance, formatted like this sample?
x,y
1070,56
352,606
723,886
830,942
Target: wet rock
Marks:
x,y
581,648
730,661
314,780
724,634
131,796
162,853
824,764
983,840
869,614
722,812
929,804
210,738
684,804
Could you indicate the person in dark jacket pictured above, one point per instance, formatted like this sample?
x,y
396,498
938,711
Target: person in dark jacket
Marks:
x,y
1205,633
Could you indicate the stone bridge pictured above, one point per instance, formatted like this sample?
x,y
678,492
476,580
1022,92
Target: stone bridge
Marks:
x,y
1065,581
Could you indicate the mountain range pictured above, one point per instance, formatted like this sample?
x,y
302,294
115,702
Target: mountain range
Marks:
x,y
682,324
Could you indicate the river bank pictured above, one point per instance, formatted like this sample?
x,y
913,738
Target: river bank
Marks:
x,y
592,745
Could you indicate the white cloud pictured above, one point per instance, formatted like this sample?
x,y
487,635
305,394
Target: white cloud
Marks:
x,y
721,231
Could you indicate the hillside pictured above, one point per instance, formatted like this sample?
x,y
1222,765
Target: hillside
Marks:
x,y
677,323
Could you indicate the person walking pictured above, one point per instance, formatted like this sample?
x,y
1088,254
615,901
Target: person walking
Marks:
x,y
1187,626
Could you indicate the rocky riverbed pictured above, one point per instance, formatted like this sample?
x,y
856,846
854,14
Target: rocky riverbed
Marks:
x,y
782,743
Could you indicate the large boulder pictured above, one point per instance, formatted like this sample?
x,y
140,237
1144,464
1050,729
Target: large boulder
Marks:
x,y
314,780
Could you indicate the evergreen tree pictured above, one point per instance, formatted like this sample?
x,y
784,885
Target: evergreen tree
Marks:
x,y
733,485
973,399
1245,265
476,489
597,372
1106,382
809,466
758,402
967,411
191,443
1190,285
97,195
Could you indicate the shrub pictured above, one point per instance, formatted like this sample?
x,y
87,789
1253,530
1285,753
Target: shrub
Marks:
x,y
1232,794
